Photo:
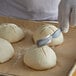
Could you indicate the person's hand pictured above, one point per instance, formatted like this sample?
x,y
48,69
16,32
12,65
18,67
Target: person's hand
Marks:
x,y
67,14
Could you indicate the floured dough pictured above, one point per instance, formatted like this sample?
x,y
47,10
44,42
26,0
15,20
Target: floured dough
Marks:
x,y
6,50
45,30
40,58
11,32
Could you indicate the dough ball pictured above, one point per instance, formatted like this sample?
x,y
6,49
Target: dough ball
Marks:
x,y
11,32
6,50
40,58
45,30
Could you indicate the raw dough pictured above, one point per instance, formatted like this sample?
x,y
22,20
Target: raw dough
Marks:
x,y
6,50
11,32
45,30
40,58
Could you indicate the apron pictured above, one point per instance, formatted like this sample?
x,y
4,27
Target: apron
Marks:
x,y
30,9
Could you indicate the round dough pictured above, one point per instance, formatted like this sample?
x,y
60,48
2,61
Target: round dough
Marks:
x,y
40,58
11,32
45,30
6,50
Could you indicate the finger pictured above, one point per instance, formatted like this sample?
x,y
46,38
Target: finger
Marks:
x,y
73,17
60,12
64,13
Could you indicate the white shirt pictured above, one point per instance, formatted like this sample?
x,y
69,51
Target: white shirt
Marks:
x,y
30,9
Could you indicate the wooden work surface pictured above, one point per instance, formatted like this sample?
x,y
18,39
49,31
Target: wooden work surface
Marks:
x,y
66,53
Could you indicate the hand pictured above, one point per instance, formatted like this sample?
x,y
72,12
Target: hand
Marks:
x,y
67,14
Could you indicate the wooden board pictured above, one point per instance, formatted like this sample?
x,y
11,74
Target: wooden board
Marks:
x,y
66,53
